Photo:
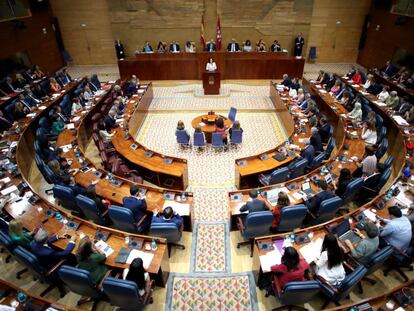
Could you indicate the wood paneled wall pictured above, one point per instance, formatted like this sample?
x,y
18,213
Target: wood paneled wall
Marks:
x,y
86,30
135,21
41,47
381,42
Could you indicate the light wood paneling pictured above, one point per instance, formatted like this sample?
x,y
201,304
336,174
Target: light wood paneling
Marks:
x,y
92,43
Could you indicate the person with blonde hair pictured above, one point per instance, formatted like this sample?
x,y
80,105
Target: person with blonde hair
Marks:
x,y
54,86
91,259
18,236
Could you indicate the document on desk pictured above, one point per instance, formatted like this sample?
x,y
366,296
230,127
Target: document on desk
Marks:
x,y
70,126
9,190
273,257
104,247
146,257
119,120
181,209
381,104
370,215
312,251
400,120
239,206
404,199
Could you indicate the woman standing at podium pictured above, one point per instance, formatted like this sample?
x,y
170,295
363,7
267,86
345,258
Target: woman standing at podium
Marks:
x,y
211,65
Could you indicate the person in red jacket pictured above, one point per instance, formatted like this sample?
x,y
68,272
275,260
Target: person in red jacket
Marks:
x,y
292,268
356,78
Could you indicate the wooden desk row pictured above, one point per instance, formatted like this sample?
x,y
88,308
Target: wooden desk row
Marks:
x,y
248,169
381,78
37,214
190,66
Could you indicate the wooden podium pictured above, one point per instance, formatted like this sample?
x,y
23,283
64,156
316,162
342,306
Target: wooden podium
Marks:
x,y
211,82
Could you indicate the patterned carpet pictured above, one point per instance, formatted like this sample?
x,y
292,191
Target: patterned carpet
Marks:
x,y
211,251
215,292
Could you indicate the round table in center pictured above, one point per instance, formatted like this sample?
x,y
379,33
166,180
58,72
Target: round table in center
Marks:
x,y
206,121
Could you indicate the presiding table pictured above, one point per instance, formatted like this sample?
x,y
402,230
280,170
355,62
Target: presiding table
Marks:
x,y
191,66
207,121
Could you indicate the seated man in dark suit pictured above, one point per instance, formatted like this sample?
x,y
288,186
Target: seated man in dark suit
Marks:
x,y
254,205
48,257
8,87
211,46
168,216
307,153
110,121
323,194
324,130
369,189
286,80
375,88
137,204
389,69
315,140
30,97
275,47
233,46
174,47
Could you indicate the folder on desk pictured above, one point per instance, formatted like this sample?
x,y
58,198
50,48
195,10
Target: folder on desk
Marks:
x,y
122,255
146,257
181,209
312,251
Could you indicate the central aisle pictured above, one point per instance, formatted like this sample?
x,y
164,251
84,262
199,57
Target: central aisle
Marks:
x,y
210,285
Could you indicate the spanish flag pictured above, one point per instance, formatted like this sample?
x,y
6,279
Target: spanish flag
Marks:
x,y
203,37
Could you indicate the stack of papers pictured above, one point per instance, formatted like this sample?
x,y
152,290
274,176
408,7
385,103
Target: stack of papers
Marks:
x,y
312,250
370,215
403,199
105,248
400,120
181,209
146,257
9,190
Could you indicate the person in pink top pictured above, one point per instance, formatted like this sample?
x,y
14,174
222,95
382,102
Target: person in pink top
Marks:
x,y
221,128
292,268
336,88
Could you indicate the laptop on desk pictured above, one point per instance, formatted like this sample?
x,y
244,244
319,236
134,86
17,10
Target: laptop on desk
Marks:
x,y
307,189
343,232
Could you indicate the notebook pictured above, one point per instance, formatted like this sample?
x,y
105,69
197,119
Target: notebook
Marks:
x,y
122,255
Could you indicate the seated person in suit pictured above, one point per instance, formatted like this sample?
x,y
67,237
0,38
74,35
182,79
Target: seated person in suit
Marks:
x,y
20,111
91,259
351,73
307,153
132,87
324,130
54,86
48,257
8,86
409,83
181,127
367,247
235,127
331,82
315,140
397,230
247,47
329,264
58,126
57,155
305,102
211,46
137,204
295,84
100,203
4,123
344,179
19,81
211,65
30,97
254,204
323,193
110,121
161,47
137,274
233,46
282,201
168,216
375,88
66,78
147,48
275,47
25,103
292,268
322,78
18,236
389,69
174,47
286,80
220,127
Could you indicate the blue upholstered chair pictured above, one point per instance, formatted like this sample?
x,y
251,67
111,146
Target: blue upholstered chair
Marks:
x,y
277,176
295,293
291,217
337,293
66,105
382,149
327,210
30,261
199,140
379,121
44,123
9,112
330,147
125,294
95,81
370,193
377,261
79,281
183,139
90,209
217,141
382,133
123,219
317,161
65,197
232,114
6,244
351,190
45,86
388,161
256,224
168,231
298,168
236,137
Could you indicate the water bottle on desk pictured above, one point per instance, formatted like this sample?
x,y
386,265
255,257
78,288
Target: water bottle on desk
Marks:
x,y
110,178
154,245
388,196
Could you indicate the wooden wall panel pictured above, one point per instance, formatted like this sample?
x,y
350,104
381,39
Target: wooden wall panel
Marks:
x,y
90,44
41,47
381,44
337,42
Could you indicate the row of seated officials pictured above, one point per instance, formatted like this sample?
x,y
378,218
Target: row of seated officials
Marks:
x,y
87,257
400,75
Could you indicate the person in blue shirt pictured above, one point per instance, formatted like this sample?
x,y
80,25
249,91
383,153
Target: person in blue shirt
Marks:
x,y
397,230
137,204
168,216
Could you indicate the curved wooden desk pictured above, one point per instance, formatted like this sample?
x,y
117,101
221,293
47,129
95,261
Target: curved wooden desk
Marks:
x,y
34,215
209,128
